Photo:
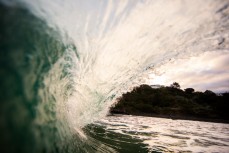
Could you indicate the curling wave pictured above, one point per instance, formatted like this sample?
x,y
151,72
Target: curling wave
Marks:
x,y
64,62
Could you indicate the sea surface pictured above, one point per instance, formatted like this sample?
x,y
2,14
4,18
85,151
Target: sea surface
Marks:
x,y
63,64
167,135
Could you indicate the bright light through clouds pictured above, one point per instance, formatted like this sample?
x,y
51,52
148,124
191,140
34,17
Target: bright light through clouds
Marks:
x,y
206,71
118,40
157,80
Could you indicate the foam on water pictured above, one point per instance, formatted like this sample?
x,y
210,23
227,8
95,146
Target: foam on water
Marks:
x,y
167,135
72,58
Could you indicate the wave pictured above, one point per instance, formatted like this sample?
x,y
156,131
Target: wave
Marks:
x,y
64,63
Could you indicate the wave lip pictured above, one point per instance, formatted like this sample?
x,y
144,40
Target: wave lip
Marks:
x,y
64,63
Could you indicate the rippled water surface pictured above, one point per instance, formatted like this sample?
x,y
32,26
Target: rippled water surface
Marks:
x,y
63,63
167,135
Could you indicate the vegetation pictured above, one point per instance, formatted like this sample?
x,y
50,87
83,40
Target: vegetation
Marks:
x,y
174,103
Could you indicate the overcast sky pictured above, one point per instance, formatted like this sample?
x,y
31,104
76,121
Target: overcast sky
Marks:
x,y
209,70
119,39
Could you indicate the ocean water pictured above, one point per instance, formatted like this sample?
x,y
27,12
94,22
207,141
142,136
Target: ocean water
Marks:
x,y
167,135
63,63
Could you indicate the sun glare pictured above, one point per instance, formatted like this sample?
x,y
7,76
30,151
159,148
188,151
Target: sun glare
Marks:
x,y
159,80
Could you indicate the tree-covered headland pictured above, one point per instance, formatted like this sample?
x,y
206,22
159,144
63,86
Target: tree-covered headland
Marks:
x,y
173,102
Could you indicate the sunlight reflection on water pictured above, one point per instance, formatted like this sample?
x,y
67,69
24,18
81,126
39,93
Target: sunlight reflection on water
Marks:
x,y
169,135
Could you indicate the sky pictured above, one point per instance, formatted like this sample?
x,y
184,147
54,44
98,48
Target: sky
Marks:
x,y
207,71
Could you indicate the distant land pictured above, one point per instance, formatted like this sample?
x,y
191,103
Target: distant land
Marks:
x,y
175,103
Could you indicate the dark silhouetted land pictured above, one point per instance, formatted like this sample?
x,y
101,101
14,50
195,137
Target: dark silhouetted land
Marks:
x,y
173,102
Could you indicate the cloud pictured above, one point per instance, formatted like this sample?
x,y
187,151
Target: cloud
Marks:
x,y
209,70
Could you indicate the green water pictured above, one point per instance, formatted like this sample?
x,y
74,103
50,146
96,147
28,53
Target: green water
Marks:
x,y
115,141
28,50
50,89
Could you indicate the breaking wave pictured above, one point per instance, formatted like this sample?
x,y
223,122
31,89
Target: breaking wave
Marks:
x,y
63,63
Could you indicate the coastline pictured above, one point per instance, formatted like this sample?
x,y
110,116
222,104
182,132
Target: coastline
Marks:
x,y
174,103
175,117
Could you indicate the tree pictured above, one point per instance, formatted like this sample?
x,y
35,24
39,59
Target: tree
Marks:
x,y
209,93
189,90
175,85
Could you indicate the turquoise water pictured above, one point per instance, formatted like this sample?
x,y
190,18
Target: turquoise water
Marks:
x,y
64,63
28,51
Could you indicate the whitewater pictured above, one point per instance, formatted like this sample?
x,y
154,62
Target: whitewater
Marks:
x,y
64,63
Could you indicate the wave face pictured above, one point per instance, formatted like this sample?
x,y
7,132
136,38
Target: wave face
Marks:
x,y
63,63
